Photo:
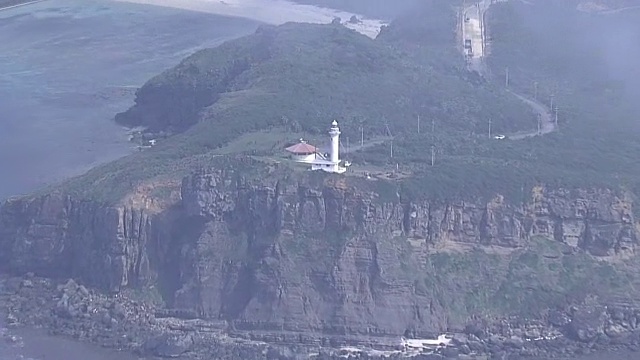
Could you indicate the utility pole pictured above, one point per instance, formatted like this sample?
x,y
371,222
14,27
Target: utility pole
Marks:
x,y
418,124
489,128
506,80
539,125
535,90
391,148
556,117
433,155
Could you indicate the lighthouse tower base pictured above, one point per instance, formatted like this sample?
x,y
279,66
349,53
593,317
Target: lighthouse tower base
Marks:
x,y
328,166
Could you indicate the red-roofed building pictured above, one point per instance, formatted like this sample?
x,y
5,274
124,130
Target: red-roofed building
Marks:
x,y
305,153
302,152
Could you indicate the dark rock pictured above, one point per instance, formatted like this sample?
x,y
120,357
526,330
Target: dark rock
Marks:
x,y
515,342
616,313
615,330
477,346
450,352
634,348
474,329
459,339
167,345
587,323
465,349
559,318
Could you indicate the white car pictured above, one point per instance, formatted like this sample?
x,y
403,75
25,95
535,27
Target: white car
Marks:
x,y
499,137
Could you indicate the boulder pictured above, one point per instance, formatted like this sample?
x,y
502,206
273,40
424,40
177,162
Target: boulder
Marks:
x,y
587,323
168,345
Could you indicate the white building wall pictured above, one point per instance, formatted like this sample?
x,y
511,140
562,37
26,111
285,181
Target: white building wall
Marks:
x,y
304,158
335,143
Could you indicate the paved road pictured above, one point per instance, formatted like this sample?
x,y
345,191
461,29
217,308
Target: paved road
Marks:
x,y
473,29
547,120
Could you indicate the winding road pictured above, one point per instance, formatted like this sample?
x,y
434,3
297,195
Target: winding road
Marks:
x,y
474,48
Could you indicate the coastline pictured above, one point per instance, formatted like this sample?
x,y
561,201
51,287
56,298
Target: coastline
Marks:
x,y
274,12
6,5
58,314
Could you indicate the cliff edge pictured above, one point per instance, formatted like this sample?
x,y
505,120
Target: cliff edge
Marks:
x,y
272,249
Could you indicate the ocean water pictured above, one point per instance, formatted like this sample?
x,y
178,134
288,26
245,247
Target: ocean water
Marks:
x,y
67,67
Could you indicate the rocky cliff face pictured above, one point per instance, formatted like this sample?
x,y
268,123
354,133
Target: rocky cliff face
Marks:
x,y
55,235
276,253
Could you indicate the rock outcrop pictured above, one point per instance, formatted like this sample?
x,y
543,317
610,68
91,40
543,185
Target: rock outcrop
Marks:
x,y
280,252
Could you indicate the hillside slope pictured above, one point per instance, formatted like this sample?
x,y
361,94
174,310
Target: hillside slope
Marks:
x,y
298,77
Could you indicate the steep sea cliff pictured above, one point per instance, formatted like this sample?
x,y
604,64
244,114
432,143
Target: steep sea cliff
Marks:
x,y
281,251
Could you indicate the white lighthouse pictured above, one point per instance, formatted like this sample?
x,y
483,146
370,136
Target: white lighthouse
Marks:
x,y
334,132
333,163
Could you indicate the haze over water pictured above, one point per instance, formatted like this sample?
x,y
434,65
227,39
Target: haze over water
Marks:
x,y
67,67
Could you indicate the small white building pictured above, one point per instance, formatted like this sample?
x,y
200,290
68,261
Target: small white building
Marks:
x,y
303,152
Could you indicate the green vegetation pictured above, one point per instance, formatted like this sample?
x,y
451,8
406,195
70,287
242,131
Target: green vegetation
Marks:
x,y
298,77
524,283
589,67
255,94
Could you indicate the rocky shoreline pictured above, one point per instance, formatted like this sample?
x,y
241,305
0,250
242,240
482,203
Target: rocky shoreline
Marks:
x,y
65,308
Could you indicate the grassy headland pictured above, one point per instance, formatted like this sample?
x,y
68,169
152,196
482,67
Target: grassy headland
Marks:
x,y
294,79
